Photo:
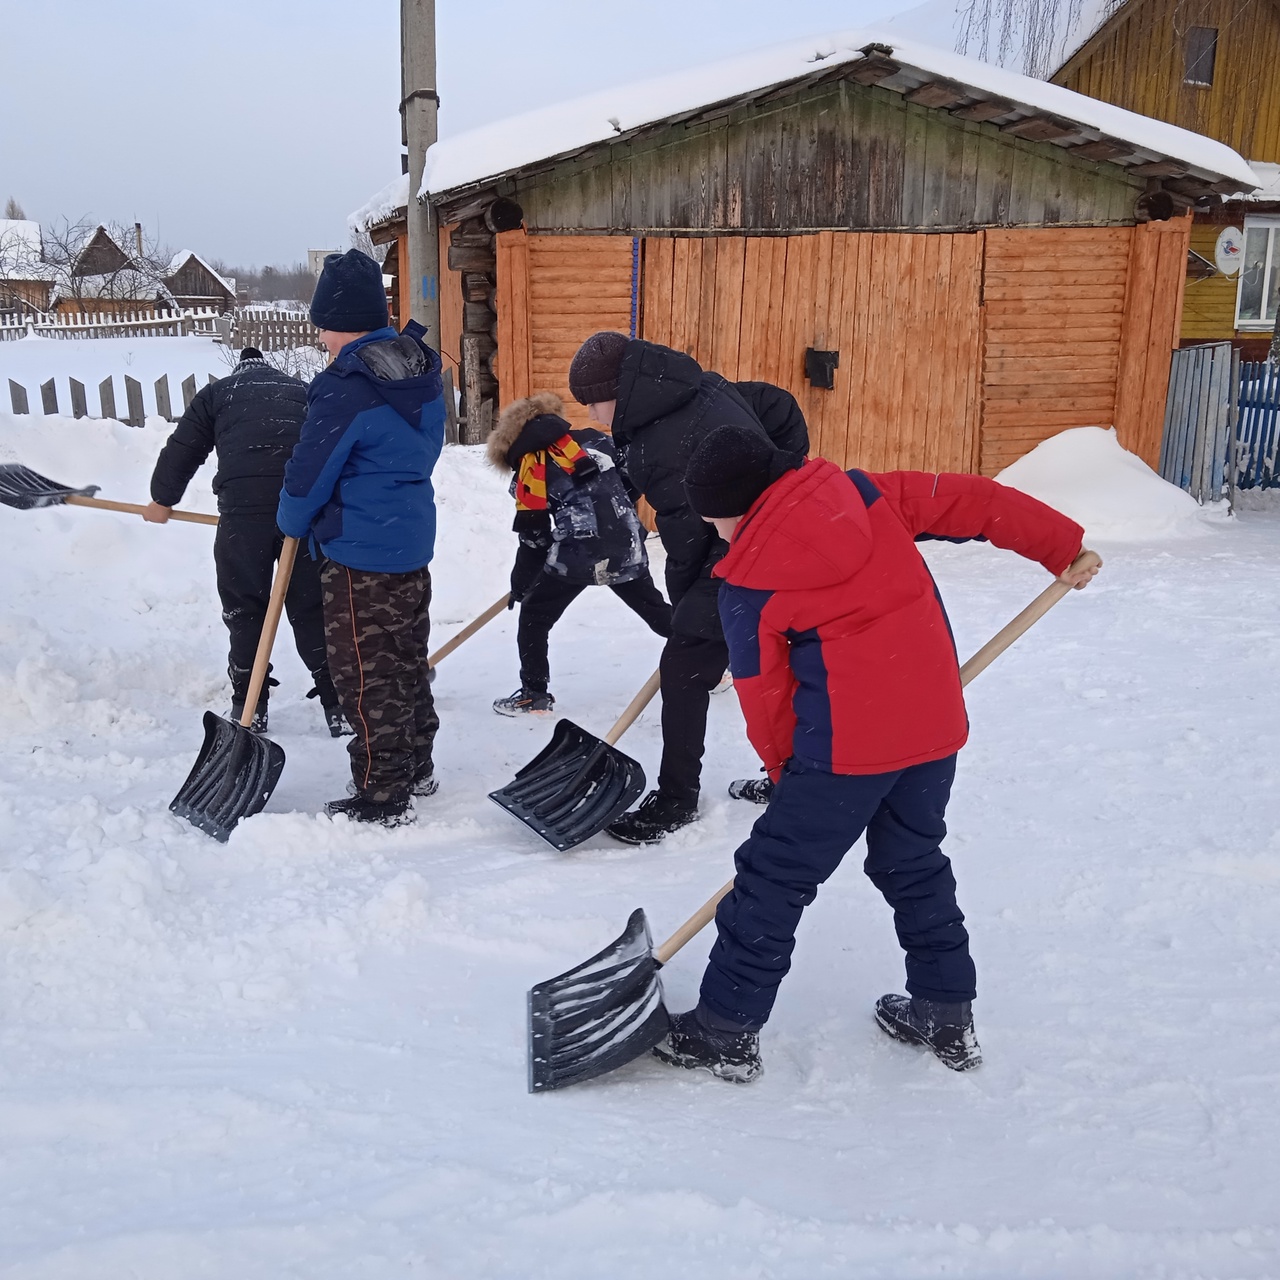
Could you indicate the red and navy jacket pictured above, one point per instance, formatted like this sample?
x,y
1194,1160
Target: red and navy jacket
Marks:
x,y
840,649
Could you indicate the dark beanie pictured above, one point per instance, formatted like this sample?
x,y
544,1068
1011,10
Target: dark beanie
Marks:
x,y
251,353
349,296
731,468
593,375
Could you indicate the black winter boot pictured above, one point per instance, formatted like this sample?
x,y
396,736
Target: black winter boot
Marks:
x,y
239,691
525,702
728,1054
329,704
946,1029
654,818
756,790
359,808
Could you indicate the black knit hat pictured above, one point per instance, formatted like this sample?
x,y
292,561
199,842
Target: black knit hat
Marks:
x,y
349,296
593,375
731,468
250,353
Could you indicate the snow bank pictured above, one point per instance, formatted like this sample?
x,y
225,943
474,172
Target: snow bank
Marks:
x,y
1086,474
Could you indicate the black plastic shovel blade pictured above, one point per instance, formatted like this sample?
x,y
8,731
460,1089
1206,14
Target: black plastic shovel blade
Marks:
x,y
233,777
24,489
573,788
593,1019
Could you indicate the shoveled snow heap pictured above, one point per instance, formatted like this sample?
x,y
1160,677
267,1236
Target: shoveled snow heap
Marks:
x,y
1086,473
301,1055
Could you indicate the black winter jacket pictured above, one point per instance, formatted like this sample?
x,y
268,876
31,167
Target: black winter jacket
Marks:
x,y
252,418
666,405
590,534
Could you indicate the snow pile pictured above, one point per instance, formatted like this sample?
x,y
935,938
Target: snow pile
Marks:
x,y
1114,494
565,127
1268,176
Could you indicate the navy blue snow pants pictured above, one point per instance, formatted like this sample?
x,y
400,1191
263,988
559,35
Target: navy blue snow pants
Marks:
x,y
812,821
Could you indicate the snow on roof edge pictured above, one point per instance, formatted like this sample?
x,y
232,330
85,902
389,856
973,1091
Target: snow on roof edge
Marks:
x,y
565,127
379,207
179,258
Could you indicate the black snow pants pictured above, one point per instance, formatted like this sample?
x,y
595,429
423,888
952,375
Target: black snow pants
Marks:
x,y
551,595
812,821
377,628
245,550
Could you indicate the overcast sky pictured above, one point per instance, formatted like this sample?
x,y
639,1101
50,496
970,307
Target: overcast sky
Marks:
x,y
247,131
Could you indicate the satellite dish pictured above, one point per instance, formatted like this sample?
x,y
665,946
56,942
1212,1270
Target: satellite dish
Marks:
x,y
1228,253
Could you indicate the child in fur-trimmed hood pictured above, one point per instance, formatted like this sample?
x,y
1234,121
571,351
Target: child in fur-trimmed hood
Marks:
x,y
577,527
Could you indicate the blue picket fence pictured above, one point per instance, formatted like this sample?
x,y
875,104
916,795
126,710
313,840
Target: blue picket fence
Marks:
x,y
1258,427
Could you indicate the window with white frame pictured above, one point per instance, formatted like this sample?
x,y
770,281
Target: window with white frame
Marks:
x,y
1259,288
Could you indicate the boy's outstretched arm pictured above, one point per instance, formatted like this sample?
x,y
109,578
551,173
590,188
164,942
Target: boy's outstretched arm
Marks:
x,y
960,507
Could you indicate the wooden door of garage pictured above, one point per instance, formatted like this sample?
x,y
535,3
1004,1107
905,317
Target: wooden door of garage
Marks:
x,y
903,311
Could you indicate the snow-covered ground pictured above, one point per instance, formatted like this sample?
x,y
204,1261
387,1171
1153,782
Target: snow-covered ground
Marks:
x,y
302,1053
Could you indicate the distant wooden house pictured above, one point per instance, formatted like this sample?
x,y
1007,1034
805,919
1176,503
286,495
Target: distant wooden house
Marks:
x,y
1212,66
946,263
193,284
103,279
26,279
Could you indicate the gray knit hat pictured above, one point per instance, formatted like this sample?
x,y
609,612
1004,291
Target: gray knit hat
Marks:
x,y
593,375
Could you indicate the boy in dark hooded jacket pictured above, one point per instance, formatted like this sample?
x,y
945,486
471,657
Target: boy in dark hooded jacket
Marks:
x,y
843,660
660,403
577,526
359,486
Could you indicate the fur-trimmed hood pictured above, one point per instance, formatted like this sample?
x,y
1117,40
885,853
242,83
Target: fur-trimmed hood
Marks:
x,y
509,441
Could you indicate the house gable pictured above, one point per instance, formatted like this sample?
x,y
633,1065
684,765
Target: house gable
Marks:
x,y
101,256
1138,60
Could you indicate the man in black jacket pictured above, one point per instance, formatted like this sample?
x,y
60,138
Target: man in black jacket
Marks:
x,y
660,404
252,419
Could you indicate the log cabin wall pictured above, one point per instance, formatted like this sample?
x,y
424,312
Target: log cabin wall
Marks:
x,y
1138,60
841,156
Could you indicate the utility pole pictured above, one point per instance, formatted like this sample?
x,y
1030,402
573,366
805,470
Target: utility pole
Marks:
x,y
419,104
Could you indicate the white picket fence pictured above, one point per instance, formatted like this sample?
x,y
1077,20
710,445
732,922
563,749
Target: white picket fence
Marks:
x,y
143,323
135,403
266,328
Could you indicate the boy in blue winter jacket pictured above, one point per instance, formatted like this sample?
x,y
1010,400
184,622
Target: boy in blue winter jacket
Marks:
x,y
359,487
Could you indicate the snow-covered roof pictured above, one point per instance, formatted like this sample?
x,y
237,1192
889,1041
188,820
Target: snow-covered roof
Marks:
x,y
488,152
125,285
1268,176
180,260
22,250
388,202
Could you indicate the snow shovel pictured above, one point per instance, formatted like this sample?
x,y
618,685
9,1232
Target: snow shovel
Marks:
x,y
468,631
237,769
609,1010
24,489
578,783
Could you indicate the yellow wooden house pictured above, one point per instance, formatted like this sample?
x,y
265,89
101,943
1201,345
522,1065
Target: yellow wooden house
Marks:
x,y
1212,66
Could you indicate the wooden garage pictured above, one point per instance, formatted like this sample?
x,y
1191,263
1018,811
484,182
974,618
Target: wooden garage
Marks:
x,y
945,262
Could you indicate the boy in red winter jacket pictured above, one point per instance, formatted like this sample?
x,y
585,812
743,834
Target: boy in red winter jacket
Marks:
x,y
843,660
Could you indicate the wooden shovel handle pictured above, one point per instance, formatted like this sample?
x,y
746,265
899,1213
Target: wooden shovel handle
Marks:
x,y
105,504
978,663
469,630
1024,621
275,607
634,708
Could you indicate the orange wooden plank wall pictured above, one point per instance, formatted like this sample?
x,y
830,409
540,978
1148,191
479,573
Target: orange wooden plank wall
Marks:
x,y
450,307
902,310
554,292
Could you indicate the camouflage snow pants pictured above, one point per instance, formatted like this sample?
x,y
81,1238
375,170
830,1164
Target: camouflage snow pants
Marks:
x,y
376,628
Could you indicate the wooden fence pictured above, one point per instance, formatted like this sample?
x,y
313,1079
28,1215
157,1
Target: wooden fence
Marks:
x,y
144,323
136,408
266,328
1222,423
1259,428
